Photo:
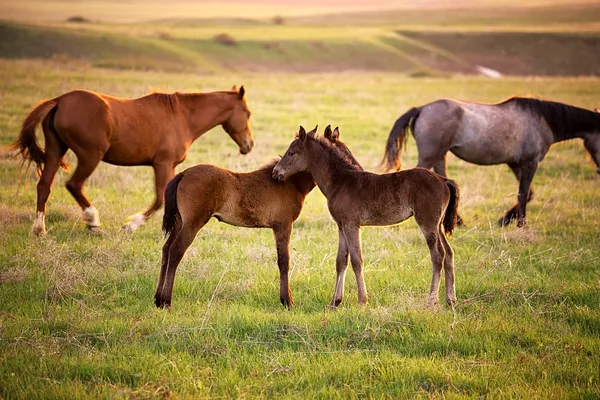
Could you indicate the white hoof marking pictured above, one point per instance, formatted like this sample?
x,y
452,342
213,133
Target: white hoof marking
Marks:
x,y
39,226
135,221
91,217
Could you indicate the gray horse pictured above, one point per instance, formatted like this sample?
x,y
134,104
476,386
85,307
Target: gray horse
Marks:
x,y
518,132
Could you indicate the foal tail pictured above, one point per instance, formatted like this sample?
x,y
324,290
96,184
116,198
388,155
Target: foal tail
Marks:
x,y
27,144
398,138
451,216
171,210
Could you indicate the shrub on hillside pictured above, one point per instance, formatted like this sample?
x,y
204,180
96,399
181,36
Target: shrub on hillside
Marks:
x,y
78,19
225,39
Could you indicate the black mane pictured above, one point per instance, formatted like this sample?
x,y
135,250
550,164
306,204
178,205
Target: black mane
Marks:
x,y
566,121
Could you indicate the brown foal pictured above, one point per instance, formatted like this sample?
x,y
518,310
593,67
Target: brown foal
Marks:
x,y
252,200
358,198
154,130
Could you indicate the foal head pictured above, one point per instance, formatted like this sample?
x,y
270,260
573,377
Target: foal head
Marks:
x,y
238,124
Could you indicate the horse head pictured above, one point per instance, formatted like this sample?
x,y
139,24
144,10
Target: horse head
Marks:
x,y
295,158
238,124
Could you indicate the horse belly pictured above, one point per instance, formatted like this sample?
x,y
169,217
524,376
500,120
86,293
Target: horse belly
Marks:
x,y
388,216
480,143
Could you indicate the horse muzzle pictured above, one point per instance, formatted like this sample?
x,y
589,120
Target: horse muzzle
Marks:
x,y
247,147
277,175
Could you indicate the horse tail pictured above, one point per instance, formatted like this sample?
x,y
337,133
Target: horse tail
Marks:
x,y
451,216
398,138
171,209
27,144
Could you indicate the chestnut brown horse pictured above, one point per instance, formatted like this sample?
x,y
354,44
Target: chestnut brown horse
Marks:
x,y
252,200
154,130
358,198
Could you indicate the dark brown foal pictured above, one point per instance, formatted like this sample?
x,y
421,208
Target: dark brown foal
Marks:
x,y
252,200
358,198
155,130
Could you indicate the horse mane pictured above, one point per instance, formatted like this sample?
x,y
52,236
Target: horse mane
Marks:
x,y
170,99
342,161
566,121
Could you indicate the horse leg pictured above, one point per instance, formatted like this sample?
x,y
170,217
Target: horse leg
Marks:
x,y
448,269
437,252
352,234
85,166
512,213
176,250
341,263
527,173
165,262
440,168
163,173
282,240
55,151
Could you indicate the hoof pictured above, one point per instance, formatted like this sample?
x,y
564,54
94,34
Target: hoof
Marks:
x,y
135,221
38,231
96,230
506,220
163,304
287,303
451,301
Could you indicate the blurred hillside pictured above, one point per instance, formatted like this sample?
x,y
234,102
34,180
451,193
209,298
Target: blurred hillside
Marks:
x,y
549,38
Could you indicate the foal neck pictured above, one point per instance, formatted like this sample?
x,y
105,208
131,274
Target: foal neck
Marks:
x,y
327,166
204,111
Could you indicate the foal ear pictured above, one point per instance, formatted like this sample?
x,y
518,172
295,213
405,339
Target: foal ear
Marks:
x,y
336,134
327,132
242,92
234,88
302,133
313,133
596,110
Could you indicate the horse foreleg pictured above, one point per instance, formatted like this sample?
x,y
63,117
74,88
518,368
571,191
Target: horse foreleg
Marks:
x,y
352,234
283,232
341,263
512,213
527,173
55,151
163,173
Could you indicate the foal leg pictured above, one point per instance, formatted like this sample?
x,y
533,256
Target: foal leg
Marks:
x,y
55,151
164,263
163,173
176,250
512,213
341,263
448,269
437,253
283,232
352,234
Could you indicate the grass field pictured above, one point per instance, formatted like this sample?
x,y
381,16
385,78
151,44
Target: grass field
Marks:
x,y
77,318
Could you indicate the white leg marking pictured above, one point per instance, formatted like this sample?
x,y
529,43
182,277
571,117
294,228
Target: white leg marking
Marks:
x,y
39,226
91,217
135,221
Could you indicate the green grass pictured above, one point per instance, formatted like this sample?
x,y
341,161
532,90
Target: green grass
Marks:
x,y
77,318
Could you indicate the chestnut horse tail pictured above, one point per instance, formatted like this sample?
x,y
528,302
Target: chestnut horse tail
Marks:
x,y
398,138
27,144
451,216
171,209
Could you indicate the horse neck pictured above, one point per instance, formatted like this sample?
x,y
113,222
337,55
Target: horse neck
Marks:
x,y
204,111
323,167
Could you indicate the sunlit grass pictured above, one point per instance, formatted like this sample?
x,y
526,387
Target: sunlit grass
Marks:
x,y
77,317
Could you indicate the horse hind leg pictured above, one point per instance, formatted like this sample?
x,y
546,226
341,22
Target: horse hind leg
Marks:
x,y
85,166
55,151
448,269
164,265
437,254
283,233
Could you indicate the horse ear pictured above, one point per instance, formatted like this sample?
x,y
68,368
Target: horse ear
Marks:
x,y
242,92
313,133
327,132
234,88
302,133
336,134
596,110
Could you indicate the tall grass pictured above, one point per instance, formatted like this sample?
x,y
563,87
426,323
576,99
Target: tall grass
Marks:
x,y
76,313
